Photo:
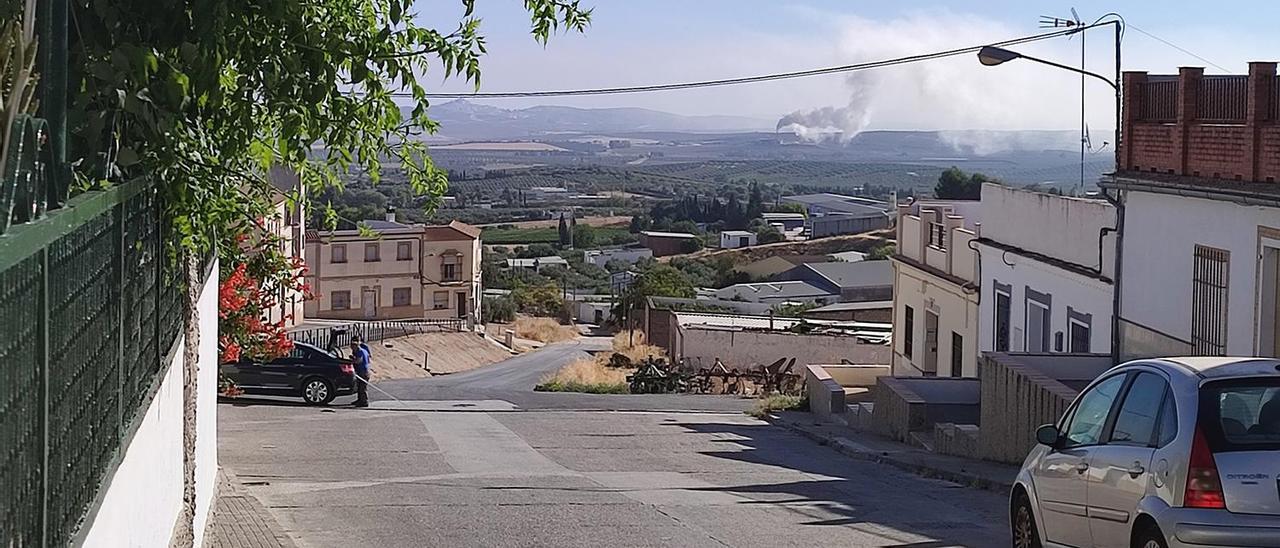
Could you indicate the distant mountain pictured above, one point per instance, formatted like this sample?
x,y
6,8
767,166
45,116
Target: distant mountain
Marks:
x,y
462,119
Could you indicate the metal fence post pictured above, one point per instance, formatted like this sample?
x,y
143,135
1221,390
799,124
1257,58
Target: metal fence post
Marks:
x,y
117,267
43,332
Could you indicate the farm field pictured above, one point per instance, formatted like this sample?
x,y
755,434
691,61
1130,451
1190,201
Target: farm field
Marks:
x,y
501,235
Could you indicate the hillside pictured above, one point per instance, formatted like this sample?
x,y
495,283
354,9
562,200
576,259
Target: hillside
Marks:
x,y
822,246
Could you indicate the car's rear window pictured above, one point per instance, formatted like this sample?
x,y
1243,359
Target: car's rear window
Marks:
x,y
1244,413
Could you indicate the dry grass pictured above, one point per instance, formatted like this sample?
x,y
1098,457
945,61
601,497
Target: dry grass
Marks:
x,y
635,347
593,375
779,402
589,375
544,330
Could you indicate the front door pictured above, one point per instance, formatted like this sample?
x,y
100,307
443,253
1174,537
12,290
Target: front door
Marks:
x,y
1118,475
1061,476
369,303
462,304
930,364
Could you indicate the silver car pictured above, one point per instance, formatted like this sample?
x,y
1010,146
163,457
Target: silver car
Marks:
x,y
1159,453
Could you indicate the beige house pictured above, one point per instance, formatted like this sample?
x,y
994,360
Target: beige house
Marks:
x,y
935,297
287,223
402,272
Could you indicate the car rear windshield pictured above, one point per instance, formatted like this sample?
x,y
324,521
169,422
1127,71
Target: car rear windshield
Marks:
x,y
1242,414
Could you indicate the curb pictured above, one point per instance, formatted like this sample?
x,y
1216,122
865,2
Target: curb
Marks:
x,y
852,449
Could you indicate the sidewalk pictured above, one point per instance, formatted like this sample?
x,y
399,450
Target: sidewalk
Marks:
x,y
971,472
240,521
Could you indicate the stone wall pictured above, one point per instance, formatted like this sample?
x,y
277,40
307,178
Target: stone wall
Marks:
x,y
1020,392
743,349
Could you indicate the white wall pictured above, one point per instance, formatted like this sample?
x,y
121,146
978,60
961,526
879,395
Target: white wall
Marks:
x,y
143,498
957,312
1057,226
601,257
1160,236
743,349
730,240
1067,289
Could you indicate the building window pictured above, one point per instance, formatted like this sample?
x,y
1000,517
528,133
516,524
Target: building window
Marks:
x,y
1004,306
401,296
340,300
1080,329
338,253
938,235
1037,328
908,331
440,300
451,267
1209,301
371,253
957,355
404,251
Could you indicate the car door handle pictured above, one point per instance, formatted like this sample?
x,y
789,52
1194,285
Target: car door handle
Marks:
x,y
1136,470
1082,467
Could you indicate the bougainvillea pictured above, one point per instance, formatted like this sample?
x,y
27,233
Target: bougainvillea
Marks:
x,y
254,278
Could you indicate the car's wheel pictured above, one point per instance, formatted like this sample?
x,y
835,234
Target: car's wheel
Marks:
x,y
1023,523
1150,537
317,391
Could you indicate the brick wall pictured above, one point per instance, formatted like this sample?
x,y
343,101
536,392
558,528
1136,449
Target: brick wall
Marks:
x,y
1269,155
1243,148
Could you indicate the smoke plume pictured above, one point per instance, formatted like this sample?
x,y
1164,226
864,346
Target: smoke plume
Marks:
x,y
831,122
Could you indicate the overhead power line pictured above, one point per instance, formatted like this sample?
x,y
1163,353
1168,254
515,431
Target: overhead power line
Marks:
x,y
1179,48
758,78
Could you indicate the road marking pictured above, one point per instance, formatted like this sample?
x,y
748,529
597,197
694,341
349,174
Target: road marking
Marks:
x,y
477,443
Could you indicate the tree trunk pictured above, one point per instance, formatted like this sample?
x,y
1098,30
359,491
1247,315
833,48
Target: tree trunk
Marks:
x,y
184,532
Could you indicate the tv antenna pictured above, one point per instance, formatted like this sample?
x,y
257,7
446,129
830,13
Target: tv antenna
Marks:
x,y
1075,24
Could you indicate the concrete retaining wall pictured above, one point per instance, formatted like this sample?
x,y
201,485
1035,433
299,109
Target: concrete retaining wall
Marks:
x,y
745,349
1020,392
828,385
904,405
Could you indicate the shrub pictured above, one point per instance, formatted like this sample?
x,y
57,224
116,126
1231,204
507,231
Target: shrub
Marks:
x,y
499,309
538,300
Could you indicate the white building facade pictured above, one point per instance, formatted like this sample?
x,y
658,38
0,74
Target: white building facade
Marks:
x,y
1047,271
629,255
1200,241
935,295
733,239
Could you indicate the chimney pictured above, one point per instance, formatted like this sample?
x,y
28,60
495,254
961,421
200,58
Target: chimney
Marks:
x,y
391,214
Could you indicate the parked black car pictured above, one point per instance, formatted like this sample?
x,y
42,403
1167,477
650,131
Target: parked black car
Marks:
x,y
314,374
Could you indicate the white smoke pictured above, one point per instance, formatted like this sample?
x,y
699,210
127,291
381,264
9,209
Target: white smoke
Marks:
x,y
843,123
983,142
954,93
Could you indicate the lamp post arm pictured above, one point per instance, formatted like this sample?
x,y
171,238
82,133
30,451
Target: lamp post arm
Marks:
x,y
1113,85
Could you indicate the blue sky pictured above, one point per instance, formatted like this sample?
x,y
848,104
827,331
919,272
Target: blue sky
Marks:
x,y
655,41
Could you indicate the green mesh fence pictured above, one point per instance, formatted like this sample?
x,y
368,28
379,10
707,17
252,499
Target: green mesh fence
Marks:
x,y
89,311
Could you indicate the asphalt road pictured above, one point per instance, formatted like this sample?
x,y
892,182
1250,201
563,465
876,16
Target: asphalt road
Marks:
x,y
478,459
513,381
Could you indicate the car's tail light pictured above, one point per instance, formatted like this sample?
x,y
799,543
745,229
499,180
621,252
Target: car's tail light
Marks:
x,y
1204,487
348,369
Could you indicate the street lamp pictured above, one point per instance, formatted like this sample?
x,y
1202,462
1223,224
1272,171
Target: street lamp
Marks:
x,y
992,56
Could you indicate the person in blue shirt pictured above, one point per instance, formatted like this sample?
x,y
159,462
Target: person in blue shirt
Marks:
x,y
360,355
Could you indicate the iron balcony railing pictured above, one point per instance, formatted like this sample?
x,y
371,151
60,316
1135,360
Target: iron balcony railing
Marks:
x,y
339,336
91,306
1222,99
1158,100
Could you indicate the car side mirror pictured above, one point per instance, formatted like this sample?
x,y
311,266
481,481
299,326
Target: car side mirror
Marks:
x,y
1048,435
